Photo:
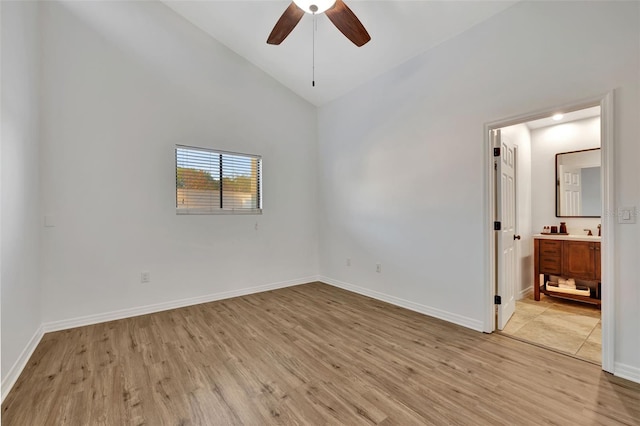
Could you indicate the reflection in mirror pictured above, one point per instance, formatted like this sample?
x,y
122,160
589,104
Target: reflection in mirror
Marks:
x,y
578,191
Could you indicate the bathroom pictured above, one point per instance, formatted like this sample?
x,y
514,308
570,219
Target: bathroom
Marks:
x,y
543,148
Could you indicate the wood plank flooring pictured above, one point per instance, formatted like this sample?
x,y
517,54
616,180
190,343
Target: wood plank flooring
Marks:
x,y
309,355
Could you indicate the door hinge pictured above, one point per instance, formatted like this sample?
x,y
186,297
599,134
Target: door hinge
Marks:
x,y
497,300
497,226
496,152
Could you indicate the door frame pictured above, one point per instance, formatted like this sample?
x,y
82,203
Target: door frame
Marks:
x,y
606,103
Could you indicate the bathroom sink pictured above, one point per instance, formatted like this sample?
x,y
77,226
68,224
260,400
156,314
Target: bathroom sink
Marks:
x,y
570,237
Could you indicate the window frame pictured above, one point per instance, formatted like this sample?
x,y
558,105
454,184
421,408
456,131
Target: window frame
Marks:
x,y
222,210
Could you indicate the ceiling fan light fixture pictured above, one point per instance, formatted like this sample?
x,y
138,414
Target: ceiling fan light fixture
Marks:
x,y
314,6
338,13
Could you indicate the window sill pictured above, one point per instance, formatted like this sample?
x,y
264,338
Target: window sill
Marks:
x,y
190,212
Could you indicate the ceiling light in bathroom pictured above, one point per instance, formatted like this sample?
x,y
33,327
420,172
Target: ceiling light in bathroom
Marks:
x,y
557,117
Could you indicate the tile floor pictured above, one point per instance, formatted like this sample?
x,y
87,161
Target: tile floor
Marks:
x,y
564,325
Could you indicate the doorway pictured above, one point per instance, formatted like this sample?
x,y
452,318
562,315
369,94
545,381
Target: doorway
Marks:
x,y
536,139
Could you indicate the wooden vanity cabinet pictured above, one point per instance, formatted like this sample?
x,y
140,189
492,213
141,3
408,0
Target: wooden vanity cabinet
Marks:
x,y
579,260
597,260
550,259
568,259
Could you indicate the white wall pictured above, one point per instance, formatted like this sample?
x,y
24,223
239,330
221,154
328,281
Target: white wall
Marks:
x,y
546,142
122,83
20,223
401,158
520,136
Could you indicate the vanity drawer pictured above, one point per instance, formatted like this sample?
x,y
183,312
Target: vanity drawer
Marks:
x,y
549,248
550,264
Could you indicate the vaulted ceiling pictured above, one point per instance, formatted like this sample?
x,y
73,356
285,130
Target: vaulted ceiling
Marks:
x,y
399,31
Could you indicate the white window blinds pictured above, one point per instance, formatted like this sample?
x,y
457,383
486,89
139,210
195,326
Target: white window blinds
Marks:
x,y
211,182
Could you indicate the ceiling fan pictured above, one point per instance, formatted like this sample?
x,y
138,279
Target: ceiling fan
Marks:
x,y
337,12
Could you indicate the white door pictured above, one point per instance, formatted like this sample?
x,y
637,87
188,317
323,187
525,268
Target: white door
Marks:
x,y
506,236
570,190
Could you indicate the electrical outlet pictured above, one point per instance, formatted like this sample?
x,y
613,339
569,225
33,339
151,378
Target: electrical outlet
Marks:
x,y
49,221
145,277
348,261
378,267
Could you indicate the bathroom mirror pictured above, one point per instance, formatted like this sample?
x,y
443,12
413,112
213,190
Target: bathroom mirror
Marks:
x,y
578,189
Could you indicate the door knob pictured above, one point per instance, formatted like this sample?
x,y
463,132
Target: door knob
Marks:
x,y
516,237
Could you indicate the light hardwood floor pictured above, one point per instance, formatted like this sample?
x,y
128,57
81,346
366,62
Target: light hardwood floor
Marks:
x,y
309,354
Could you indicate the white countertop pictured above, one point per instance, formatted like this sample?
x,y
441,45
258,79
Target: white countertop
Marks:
x,y
570,237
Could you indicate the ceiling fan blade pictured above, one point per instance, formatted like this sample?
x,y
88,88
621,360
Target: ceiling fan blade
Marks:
x,y
285,24
348,23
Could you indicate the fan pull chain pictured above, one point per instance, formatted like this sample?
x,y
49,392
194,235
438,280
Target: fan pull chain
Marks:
x,y
313,53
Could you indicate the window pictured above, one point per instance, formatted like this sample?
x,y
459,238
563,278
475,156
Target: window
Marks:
x,y
214,182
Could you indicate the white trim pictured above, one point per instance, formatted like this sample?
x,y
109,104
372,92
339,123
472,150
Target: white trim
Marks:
x,y
608,233
489,323
523,294
412,306
627,372
164,306
14,372
606,102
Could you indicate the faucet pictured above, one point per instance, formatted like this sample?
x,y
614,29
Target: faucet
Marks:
x,y
599,230
589,232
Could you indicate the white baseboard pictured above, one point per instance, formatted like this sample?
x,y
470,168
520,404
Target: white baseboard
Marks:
x,y
627,372
12,376
423,309
173,304
523,294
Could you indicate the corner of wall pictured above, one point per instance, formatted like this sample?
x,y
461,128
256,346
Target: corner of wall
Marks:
x,y
20,204
10,379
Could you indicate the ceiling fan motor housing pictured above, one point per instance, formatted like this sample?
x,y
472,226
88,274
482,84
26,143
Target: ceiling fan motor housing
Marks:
x,y
314,6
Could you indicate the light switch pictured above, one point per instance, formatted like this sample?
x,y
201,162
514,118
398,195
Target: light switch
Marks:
x,y
627,215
